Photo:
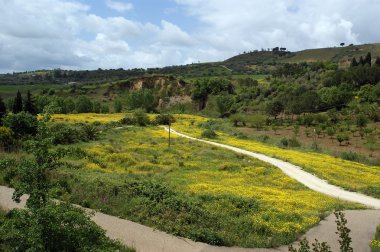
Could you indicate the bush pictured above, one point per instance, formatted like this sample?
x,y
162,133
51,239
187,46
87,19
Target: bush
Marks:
x,y
238,118
284,142
163,119
64,134
22,124
294,143
208,133
141,118
55,227
351,156
6,136
128,120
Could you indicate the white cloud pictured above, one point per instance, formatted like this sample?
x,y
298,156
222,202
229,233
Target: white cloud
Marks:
x,y
119,6
67,34
234,26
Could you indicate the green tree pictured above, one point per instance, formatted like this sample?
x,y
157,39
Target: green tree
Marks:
x,y
223,104
46,225
84,104
361,121
141,99
104,109
22,124
3,110
17,104
141,118
354,63
368,59
275,108
30,106
117,106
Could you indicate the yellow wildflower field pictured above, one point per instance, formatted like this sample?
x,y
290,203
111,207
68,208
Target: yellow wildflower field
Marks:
x,y
347,174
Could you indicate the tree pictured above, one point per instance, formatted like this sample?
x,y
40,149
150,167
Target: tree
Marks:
x,y
223,104
368,59
84,104
17,104
22,124
47,225
275,108
361,121
354,63
141,99
3,110
361,61
117,106
377,62
342,44
29,104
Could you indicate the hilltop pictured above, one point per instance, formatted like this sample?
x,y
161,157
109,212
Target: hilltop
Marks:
x,y
254,62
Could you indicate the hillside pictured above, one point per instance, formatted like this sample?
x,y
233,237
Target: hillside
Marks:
x,y
340,55
251,63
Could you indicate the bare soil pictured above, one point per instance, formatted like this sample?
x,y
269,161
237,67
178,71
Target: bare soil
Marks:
x,y
331,145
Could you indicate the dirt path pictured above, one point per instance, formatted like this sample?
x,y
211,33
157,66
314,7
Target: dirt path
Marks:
x,y
361,222
145,239
296,172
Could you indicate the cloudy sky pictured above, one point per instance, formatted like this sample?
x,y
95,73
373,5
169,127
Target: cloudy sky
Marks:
x,y
91,34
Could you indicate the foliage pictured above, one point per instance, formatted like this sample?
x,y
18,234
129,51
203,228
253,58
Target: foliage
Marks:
x,y
6,136
375,244
209,133
29,104
344,232
141,99
164,119
344,238
141,118
54,227
84,104
237,119
22,124
3,110
224,104
117,106
17,104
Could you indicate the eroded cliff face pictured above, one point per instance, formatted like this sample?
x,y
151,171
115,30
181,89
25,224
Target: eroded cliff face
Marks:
x,y
168,90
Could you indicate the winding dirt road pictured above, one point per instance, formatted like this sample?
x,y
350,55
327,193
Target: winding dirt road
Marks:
x,y
296,172
145,239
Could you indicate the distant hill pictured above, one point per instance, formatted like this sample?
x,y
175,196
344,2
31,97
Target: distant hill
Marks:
x,y
341,55
250,63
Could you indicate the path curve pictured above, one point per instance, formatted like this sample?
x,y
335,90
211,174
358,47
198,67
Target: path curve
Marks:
x,y
145,239
296,172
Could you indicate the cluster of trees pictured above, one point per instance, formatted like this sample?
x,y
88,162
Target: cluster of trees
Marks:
x,y
46,225
367,60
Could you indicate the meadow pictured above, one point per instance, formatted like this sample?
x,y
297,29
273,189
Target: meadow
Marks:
x,y
347,174
191,189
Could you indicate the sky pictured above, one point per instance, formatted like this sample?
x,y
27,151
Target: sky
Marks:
x,y
111,34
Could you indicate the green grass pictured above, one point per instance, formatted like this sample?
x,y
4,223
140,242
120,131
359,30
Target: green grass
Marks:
x,y
192,190
11,90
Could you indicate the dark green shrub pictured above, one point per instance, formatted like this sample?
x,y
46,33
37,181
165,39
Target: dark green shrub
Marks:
x,y
128,120
65,134
294,143
22,124
55,227
208,133
351,156
164,119
6,136
141,118
284,142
